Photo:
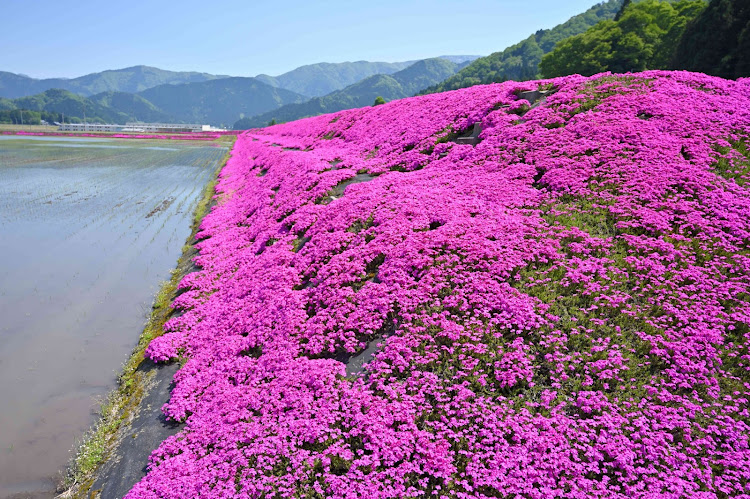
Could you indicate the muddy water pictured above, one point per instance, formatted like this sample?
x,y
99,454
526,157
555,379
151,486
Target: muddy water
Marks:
x,y
88,230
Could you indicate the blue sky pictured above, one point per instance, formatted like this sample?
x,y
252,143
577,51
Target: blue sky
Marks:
x,y
47,38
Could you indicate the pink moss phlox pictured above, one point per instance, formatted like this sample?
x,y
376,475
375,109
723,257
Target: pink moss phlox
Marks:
x,y
562,309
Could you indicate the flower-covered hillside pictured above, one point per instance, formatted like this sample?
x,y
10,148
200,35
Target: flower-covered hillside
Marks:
x,y
557,308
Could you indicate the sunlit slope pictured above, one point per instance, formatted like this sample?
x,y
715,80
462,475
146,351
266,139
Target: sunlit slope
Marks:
x,y
556,308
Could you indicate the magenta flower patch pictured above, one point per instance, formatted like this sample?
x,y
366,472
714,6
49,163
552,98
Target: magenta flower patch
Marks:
x,y
393,302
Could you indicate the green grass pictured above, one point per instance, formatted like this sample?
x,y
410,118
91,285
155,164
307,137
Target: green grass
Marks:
x,y
737,168
615,85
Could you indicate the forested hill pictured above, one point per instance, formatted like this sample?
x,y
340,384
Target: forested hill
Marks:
x,y
315,80
717,42
133,79
521,61
402,84
54,104
644,35
694,35
220,102
217,102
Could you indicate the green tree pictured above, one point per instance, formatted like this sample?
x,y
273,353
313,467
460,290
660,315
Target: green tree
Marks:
x,y
644,37
378,101
717,42
620,12
272,122
521,61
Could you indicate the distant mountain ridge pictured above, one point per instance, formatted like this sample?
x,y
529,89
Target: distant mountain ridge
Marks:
x,y
219,102
404,83
133,79
311,80
317,80
144,93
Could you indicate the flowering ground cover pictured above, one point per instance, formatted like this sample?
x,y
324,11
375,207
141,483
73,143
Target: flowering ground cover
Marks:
x,y
559,310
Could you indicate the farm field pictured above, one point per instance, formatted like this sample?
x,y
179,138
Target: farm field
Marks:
x,y
529,290
90,227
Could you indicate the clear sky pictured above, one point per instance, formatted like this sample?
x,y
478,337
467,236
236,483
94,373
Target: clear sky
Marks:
x,y
48,38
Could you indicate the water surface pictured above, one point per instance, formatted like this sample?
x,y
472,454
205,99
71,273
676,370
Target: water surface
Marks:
x,y
89,229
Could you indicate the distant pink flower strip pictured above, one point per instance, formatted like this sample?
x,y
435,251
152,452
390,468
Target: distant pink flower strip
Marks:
x,y
170,136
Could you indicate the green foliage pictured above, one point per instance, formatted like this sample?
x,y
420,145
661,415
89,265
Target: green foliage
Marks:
x,y
378,101
736,165
26,117
717,42
396,86
272,122
645,36
521,61
622,10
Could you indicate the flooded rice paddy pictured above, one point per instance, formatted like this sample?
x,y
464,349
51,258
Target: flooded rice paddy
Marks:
x,y
89,228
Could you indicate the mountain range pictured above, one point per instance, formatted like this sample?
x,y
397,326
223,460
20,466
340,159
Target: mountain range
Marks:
x,y
404,83
314,80
143,93
150,94
219,102
132,80
517,62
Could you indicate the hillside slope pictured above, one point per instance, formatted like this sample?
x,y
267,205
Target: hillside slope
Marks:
x,y
219,102
133,79
106,107
559,310
134,106
101,108
404,83
521,61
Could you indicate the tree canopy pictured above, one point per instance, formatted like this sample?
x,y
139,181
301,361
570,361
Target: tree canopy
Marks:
x,y
521,61
645,36
717,42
